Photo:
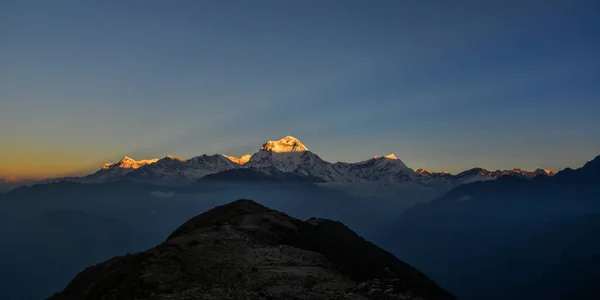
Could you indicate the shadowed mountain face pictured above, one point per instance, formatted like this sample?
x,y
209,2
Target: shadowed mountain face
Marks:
x,y
243,250
566,260
255,175
509,238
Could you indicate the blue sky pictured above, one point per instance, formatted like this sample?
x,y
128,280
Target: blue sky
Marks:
x,y
445,85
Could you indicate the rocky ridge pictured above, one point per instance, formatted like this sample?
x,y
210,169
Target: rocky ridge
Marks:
x,y
243,250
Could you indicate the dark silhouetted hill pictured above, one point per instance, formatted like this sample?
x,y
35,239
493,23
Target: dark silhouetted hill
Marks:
x,y
243,250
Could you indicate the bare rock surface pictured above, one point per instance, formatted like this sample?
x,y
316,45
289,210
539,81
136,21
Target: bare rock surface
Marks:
x,y
243,250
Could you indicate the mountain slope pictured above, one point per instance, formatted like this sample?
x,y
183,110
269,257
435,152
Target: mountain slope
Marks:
x,y
589,173
286,144
239,160
484,227
305,163
573,279
6,185
270,174
387,168
244,250
120,168
174,169
566,252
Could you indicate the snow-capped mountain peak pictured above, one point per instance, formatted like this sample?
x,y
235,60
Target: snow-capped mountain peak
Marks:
x,y
423,172
543,172
289,157
171,157
129,163
176,169
286,144
389,156
239,160
120,168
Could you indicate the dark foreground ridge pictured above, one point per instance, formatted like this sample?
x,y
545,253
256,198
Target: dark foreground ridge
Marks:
x,y
243,250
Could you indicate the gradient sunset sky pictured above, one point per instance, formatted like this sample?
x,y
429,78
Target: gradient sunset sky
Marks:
x,y
445,85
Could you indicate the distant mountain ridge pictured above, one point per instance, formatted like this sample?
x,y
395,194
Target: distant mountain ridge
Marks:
x,y
590,172
6,185
512,228
289,156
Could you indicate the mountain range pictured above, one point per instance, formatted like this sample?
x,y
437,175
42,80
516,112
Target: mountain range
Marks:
x,y
493,234
288,159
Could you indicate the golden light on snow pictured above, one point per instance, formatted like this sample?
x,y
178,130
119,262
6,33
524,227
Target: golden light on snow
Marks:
x,y
130,163
286,144
389,156
238,160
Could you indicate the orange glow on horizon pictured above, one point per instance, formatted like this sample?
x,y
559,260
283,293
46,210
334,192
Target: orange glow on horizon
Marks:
x,y
12,179
23,177
27,172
